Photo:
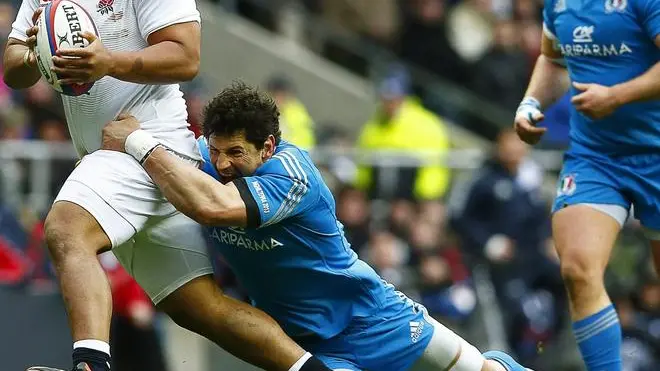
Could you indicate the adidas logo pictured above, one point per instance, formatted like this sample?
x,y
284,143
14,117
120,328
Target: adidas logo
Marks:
x,y
416,329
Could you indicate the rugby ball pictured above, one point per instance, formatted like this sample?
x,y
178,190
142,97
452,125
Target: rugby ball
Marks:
x,y
60,25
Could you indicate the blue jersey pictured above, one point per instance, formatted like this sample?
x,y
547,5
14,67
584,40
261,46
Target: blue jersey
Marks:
x,y
608,42
293,259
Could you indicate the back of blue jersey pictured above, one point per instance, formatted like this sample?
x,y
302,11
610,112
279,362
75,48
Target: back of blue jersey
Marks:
x,y
609,42
293,259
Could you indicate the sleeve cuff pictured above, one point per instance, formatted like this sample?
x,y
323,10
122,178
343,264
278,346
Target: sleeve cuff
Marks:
x,y
548,33
251,208
14,34
190,18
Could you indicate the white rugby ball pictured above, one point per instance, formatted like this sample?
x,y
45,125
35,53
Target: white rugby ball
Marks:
x,y
60,25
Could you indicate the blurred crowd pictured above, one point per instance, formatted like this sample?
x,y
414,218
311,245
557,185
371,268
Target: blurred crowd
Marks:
x,y
424,228
488,47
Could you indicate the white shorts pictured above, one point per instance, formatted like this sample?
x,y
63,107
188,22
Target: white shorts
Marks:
x,y
160,247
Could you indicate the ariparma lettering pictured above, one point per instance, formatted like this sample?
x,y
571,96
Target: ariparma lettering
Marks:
x,y
584,50
242,241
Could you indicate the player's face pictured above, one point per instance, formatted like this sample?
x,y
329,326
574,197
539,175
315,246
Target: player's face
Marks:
x,y
235,157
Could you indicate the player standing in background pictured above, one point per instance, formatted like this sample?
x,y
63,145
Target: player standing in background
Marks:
x,y
109,201
609,50
272,217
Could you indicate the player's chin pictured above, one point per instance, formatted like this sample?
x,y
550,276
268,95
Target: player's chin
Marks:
x,y
224,179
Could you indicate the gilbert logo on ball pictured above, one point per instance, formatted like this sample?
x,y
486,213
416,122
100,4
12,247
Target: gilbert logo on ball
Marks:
x,y
60,26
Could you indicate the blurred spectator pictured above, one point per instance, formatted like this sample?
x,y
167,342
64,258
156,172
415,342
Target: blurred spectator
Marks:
x,y
424,40
501,75
354,212
471,28
400,124
134,341
389,256
359,16
295,122
506,223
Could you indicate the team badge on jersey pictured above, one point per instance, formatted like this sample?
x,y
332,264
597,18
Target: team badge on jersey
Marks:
x,y
612,6
560,6
567,185
105,6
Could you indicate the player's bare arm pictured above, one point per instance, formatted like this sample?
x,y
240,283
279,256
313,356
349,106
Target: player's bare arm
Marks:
x,y
549,81
189,189
20,64
172,56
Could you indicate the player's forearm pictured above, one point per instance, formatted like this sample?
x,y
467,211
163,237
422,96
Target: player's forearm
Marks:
x,y
164,63
548,83
642,88
16,74
190,190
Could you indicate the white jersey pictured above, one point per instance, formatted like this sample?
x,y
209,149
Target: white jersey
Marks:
x,y
124,25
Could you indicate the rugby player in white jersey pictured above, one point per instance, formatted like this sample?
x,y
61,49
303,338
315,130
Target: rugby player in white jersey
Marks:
x,y
109,201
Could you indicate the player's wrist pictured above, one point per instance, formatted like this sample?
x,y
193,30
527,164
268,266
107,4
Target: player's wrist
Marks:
x,y
112,64
529,102
140,144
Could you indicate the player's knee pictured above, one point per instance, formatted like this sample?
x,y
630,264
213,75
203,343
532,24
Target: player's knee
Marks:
x,y
580,273
67,236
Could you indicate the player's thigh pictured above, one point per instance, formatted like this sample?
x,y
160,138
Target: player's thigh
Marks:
x,y
116,191
165,256
588,213
448,351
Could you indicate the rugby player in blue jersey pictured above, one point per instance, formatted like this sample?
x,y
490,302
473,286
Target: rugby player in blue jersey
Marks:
x,y
606,52
269,213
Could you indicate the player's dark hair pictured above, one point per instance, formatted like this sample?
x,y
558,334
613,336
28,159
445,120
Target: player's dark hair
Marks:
x,y
240,108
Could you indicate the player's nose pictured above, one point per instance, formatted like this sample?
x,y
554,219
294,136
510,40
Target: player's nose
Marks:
x,y
222,163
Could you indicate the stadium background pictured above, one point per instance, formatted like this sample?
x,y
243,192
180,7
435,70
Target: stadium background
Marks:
x,y
409,197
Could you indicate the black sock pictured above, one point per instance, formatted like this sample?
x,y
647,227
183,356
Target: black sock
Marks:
x,y
314,364
97,360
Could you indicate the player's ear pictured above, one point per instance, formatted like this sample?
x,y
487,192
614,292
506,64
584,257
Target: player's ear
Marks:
x,y
269,148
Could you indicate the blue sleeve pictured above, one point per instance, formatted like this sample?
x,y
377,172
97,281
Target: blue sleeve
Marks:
x,y
650,17
286,188
548,20
206,165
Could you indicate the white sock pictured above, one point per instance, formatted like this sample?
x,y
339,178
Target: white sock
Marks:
x,y
299,363
99,345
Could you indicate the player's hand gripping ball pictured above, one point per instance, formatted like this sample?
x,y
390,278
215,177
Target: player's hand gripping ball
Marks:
x,y
68,52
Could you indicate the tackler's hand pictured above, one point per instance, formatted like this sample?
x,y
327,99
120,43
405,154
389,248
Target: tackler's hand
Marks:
x,y
116,132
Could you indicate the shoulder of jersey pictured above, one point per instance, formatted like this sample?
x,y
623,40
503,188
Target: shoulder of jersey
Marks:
x,y
288,162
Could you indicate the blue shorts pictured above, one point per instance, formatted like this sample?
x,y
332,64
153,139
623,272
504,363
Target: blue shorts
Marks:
x,y
622,181
391,343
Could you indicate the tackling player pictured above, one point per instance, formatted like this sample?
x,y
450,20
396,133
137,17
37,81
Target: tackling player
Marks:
x,y
609,51
272,217
109,201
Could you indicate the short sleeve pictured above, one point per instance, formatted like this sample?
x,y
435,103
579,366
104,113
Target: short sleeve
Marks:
x,y
23,19
286,190
548,20
156,15
650,17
